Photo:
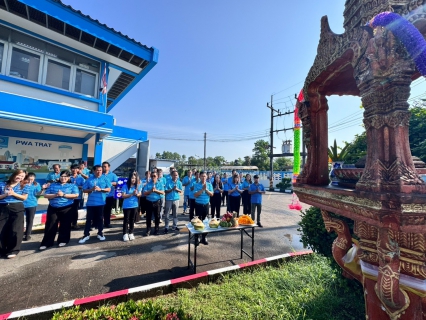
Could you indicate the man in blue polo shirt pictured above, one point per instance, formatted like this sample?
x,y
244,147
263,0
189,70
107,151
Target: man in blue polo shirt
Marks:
x,y
97,186
202,193
110,200
256,190
173,191
186,183
54,176
153,191
78,180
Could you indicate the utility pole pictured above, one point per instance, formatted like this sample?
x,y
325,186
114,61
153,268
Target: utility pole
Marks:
x,y
205,138
272,155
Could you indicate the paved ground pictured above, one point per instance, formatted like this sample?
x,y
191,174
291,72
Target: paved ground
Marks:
x,y
37,278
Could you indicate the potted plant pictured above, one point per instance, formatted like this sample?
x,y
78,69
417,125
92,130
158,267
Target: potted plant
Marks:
x,y
285,185
337,156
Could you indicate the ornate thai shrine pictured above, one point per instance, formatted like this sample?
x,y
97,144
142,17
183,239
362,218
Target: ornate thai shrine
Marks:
x,y
388,203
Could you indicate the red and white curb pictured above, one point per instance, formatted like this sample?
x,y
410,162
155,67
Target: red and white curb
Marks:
x,y
147,291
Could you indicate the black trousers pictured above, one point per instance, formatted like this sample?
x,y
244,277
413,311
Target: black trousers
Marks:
x,y
29,220
95,214
142,205
11,227
109,203
129,219
234,204
215,205
74,212
191,209
225,197
202,210
153,208
55,216
246,202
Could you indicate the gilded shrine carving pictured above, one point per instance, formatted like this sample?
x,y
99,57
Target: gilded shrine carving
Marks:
x,y
388,205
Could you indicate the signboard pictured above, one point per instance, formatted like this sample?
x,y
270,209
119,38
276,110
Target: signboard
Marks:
x,y
120,183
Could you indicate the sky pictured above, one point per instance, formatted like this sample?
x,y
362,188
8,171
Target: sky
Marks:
x,y
220,62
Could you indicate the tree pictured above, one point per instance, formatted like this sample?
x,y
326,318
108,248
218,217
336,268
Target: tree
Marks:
x,y
417,134
261,155
158,155
335,155
357,148
247,161
238,162
280,164
219,161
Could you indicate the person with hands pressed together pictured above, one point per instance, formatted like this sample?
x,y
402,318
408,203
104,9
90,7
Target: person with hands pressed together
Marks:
x,y
194,181
256,190
13,193
30,204
61,197
217,196
235,192
131,192
97,186
187,184
110,200
202,193
77,179
153,191
172,191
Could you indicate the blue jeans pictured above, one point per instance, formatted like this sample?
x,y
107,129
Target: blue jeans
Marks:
x,y
185,202
95,213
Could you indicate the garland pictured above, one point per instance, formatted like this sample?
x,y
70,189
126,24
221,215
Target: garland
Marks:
x,y
405,32
296,138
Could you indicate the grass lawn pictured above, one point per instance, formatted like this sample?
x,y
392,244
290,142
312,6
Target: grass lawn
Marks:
x,y
304,288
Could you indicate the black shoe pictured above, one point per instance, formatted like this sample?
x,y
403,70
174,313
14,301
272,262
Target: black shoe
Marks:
x,y
75,227
176,229
26,238
166,231
148,233
156,233
204,241
259,225
107,226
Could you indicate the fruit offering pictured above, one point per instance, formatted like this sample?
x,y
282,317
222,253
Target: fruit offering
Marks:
x,y
229,219
225,224
195,220
214,223
245,219
199,225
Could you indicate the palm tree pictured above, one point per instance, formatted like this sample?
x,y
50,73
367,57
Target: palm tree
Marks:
x,y
335,155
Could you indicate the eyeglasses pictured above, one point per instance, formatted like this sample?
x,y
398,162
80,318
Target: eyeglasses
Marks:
x,y
64,176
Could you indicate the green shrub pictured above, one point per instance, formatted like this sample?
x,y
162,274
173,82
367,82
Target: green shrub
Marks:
x,y
285,184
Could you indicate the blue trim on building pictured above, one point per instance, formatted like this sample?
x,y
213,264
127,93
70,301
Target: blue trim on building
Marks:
x,y
128,134
111,65
19,108
85,152
39,136
136,80
88,137
47,88
79,21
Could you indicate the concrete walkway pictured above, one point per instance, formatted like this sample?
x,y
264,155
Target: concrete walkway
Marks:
x,y
37,278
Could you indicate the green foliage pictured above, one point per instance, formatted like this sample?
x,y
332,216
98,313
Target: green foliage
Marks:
x,y
357,148
335,155
261,155
303,288
417,133
285,184
314,234
281,163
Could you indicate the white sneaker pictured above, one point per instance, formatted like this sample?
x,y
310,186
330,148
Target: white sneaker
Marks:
x,y
125,237
11,256
131,237
62,244
102,238
43,248
84,239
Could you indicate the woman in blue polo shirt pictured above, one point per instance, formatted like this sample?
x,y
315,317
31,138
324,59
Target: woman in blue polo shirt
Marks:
x,y
235,191
245,185
217,196
153,191
202,193
61,197
30,204
131,192
13,193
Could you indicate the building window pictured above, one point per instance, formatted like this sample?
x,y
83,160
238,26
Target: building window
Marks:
x,y
1,56
24,65
85,82
58,75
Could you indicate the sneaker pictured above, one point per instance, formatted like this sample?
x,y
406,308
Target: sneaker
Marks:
x,y
175,228
166,231
131,237
259,225
62,244
84,239
161,221
11,256
43,248
26,238
100,237
125,237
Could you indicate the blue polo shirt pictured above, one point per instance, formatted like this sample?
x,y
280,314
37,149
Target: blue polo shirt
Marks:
x,y
143,185
133,201
225,184
17,189
203,198
235,193
215,190
79,182
97,198
153,197
245,184
164,182
256,197
32,196
174,195
112,178
192,184
52,176
67,188
86,172
186,180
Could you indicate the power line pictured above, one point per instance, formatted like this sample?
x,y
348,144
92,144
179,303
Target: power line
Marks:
x,y
288,88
